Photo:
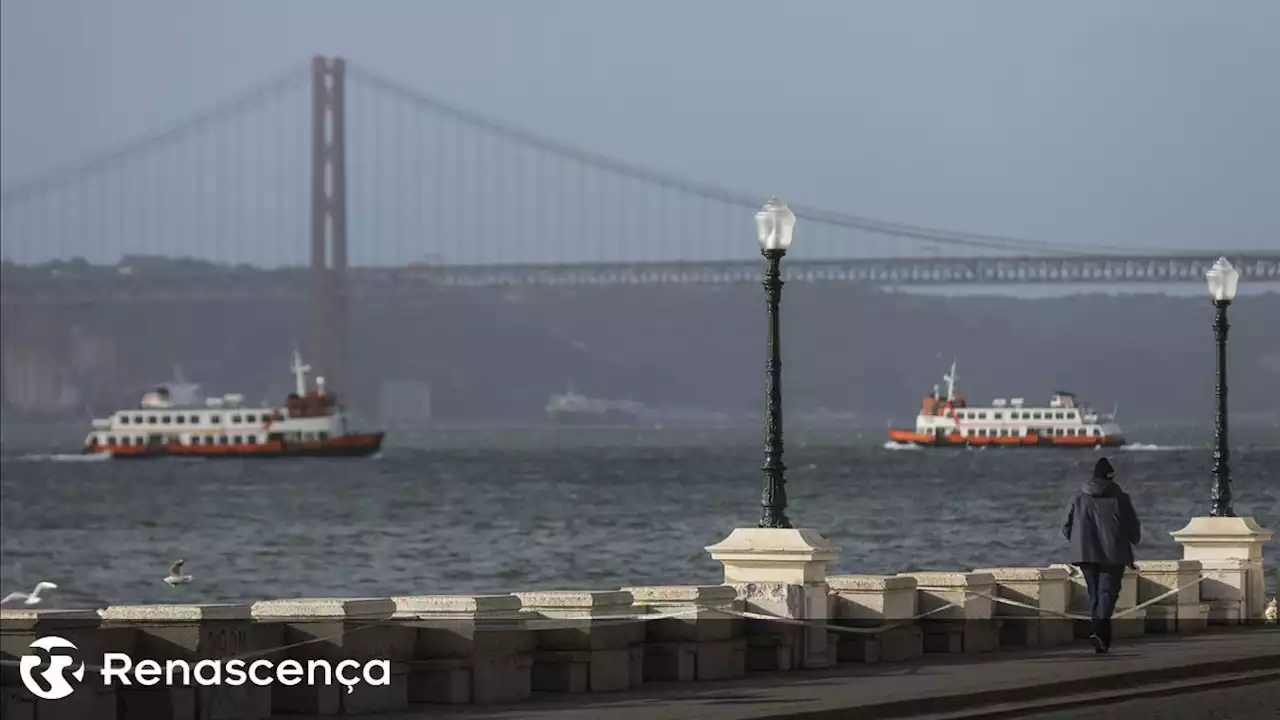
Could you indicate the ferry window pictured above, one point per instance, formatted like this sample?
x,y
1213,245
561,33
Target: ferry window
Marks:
x,y
124,419
1059,431
997,416
215,419
972,431
137,419
982,416
1035,416
235,418
983,432
1071,416
237,440
1057,416
222,439
111,439
250,418
208,439
166,419
182,419
151,419
1013,415
1071,432
194,419
322,435
1097,432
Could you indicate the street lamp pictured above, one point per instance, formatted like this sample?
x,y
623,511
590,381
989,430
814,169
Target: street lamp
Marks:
x,y
1223,279
774,225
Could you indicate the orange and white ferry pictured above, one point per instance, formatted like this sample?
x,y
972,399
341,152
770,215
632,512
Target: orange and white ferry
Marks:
x,y
948,421
311,424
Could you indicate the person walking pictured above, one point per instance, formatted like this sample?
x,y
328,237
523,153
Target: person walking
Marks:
x,y
1102,527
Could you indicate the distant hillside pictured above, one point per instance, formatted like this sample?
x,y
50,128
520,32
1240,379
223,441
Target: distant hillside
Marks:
x,y
493,355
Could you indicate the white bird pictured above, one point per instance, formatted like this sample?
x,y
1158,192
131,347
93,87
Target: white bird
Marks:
x,y
175,574
34,597
1270,612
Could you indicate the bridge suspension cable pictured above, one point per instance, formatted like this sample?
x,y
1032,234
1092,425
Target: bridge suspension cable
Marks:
x,y
705,190
228,108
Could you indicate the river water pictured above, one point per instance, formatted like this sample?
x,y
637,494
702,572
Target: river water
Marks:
x,y
498,511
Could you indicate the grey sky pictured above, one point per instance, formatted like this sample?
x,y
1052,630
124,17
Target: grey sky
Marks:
x,y
1144,123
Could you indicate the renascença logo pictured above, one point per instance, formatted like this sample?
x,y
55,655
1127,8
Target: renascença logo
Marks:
x,y
55,676
210,673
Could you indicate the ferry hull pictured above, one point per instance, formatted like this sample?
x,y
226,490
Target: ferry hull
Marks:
x,y
911,437
608,418
359,445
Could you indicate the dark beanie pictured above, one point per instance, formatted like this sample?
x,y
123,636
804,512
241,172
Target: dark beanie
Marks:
x,y
1103,469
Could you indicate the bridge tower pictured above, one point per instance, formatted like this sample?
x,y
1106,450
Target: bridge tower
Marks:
x,y
329,310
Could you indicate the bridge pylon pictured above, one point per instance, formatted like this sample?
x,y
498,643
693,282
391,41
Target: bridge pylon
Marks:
x,y
330,319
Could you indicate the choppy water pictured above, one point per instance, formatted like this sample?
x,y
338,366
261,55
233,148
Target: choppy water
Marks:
x,y
496,513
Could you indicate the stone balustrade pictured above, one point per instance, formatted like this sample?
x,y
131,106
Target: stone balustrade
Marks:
x,y
1181,612
467,649
883,609
587,645
482,649
697,642
1035,607
969,624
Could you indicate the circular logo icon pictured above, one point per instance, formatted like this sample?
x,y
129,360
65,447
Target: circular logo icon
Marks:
x,y
55,685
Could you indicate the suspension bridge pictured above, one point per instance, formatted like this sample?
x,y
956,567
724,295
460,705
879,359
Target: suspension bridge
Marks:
x,y
390,187
332,181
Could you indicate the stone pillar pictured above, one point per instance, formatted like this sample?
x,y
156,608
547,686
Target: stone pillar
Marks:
x,y
337,629
1226,546
90,698
704,644
469,649
190,633
782,572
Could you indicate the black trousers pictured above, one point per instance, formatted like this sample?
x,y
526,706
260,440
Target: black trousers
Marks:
x,y
1103,582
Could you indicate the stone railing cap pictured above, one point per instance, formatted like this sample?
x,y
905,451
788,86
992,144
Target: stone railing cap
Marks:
x,y
456,604
578,599
1013,574
19,619
322,608
1168,565
177,613
1223,530
658,594
873,583
801,544
935,578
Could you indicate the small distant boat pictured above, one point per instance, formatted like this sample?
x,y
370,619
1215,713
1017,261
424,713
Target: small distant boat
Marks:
x,y
571,408
169,424
948,421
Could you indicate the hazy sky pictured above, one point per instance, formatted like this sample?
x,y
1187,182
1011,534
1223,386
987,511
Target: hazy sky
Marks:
x,y
1143,123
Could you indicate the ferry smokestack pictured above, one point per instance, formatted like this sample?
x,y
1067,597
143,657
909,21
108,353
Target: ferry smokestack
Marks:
x,y
320,385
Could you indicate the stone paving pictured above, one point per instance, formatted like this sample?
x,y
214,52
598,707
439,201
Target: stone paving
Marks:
x,y
939,684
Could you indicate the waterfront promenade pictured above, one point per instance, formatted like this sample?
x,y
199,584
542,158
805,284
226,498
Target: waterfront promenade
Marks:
x,y
937,686
779,637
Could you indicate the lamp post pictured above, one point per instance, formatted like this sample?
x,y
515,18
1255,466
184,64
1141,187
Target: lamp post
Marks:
x,y
1222,278
774,225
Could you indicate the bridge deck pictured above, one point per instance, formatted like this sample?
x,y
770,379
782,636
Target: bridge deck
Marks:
x,y
69,283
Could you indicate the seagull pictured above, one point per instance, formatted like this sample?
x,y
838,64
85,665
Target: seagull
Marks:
x,y
175,574
34,597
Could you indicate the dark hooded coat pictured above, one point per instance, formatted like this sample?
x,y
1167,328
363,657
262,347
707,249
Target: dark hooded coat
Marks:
x,y
1101,523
